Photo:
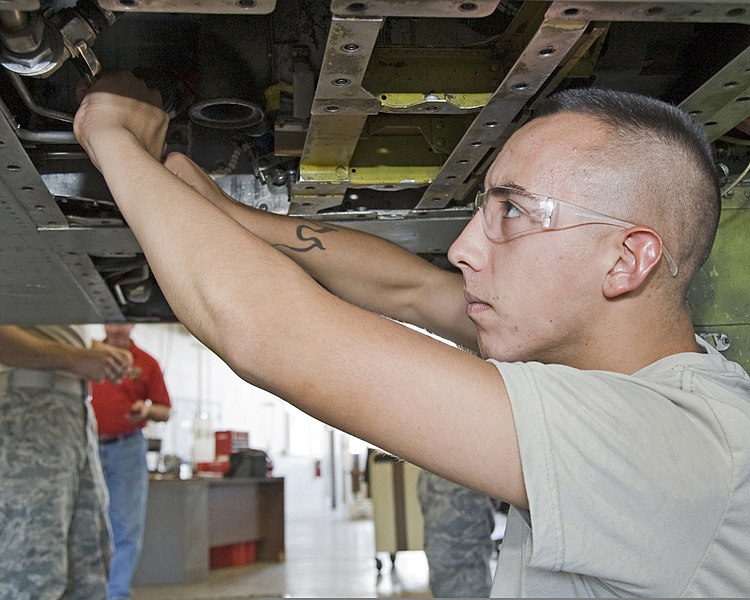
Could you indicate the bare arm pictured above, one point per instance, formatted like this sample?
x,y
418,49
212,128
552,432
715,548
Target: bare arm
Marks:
x,y
158,412
363,269
21,349
145,409
155,404
436,406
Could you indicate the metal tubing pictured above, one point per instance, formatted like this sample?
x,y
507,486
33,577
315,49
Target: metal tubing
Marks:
x,y
23,91
41,137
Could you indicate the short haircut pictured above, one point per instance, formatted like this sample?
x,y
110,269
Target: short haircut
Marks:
x,y
657,128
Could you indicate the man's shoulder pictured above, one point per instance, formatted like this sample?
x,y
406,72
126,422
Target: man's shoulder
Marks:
x,y
709,374
139,354
687,379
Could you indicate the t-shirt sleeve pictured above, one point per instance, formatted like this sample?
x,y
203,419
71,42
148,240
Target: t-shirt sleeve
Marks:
x,y
617,475
157,388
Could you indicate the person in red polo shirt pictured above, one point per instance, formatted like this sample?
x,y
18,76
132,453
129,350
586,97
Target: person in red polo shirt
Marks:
x,y
122,411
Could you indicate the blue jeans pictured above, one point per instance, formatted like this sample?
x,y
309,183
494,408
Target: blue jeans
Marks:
x,y
124,465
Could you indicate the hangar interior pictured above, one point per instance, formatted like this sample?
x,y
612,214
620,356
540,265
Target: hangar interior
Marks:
x,y
381,115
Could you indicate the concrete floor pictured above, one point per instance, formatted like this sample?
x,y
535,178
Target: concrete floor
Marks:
x,y
327,556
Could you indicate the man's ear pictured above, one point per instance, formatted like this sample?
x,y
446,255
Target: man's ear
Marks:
x,y
637,255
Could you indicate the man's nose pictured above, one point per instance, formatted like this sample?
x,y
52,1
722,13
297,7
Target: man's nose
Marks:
x,y
469,251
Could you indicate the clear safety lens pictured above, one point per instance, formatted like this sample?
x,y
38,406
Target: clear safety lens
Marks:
x,y
508,213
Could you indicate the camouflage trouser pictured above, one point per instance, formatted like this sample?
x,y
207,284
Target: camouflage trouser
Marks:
x,y
458,523
54,538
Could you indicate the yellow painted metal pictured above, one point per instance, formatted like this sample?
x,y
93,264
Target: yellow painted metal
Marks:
x,y
397,100
388,175
324,173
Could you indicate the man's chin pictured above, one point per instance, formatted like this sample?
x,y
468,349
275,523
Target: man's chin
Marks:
x,y
498,351
490,351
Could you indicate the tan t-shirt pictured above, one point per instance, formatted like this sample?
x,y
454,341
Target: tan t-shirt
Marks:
x,y
637,485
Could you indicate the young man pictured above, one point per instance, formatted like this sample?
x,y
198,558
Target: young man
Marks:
x,y
122,411
54,540
616,435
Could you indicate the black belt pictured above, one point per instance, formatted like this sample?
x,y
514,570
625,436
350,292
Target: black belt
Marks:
x,y
111,439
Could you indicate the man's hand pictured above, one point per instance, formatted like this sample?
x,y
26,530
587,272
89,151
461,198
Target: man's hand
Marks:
x,y
139,411
119,103
103,362
24,350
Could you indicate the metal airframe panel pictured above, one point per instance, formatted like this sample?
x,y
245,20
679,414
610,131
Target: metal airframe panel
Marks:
x,y
558,45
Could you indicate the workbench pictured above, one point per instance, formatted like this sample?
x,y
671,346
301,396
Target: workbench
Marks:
x,y
186,518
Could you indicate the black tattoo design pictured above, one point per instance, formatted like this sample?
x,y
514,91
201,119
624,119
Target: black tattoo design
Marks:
x,y
314,242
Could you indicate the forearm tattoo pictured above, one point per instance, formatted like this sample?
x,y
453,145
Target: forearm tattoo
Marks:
x,y
309,242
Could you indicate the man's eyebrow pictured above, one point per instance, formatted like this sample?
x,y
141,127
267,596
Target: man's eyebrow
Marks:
x,y
519,189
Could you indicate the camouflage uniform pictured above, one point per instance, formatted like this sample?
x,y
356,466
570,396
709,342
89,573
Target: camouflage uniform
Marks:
x,y
458,523
54,540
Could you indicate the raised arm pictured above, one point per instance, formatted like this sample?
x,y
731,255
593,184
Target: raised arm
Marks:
x,y
363,269
429,403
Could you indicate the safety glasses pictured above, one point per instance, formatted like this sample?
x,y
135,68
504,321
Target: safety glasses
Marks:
x,y
509,213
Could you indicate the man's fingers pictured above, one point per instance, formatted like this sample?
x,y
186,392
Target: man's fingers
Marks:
x,y
121,83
